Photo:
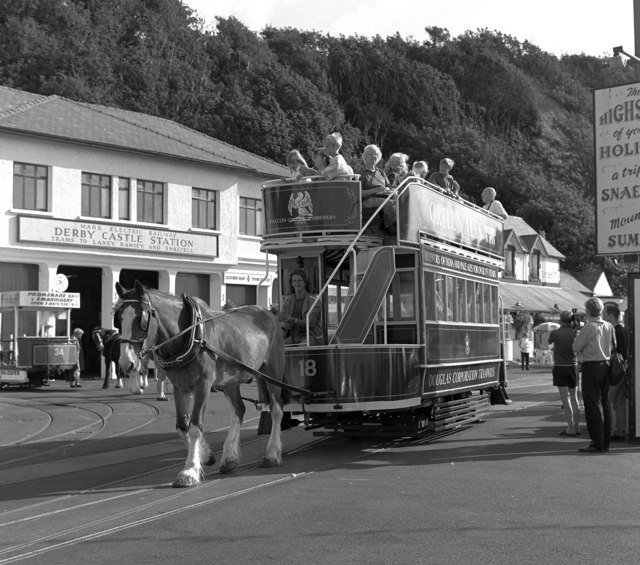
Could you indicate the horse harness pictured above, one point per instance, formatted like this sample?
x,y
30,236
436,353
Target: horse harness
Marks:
x,y
105,341
195,344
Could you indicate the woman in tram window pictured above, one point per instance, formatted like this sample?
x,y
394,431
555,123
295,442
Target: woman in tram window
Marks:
x,y
293,314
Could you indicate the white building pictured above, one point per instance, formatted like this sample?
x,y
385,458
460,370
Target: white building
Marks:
x,y
532,281
101,195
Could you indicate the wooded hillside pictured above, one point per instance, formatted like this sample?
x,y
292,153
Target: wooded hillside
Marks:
x,y
511,115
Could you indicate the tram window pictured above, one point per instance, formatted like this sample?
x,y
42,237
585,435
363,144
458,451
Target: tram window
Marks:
x,y
405,261
440,297
461,310
337,297
401,298
451,299
479,314
494,304
488,310
471,301
429,296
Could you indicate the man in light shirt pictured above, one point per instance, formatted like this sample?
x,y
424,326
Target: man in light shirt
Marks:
x,y
593,346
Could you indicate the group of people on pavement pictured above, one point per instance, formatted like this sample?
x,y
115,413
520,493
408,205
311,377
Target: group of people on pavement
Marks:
x,y
592,346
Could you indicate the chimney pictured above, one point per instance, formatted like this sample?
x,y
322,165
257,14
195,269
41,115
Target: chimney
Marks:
x,y
543,234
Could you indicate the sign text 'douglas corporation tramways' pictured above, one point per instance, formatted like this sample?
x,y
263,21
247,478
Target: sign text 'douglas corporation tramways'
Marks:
x,y
617,156
108,236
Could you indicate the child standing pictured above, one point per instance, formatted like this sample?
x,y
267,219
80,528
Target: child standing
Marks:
x,y
525,345
337,164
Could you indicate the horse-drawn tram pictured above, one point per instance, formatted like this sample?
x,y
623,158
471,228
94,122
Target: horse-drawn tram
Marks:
x,y
35,337
401,334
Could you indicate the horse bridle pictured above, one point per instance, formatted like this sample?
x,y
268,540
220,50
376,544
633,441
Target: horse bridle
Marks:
x,y
146,313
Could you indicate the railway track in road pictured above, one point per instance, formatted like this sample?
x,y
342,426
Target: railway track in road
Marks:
x,y
63,433
128,487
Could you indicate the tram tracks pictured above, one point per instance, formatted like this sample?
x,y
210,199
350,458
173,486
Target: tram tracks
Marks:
x,y
138,497
118,511
97,424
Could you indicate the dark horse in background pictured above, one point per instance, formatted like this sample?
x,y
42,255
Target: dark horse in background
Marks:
x,y
201,349
108,344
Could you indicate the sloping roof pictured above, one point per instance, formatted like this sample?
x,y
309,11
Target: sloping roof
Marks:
x,y
569,281
511,238
519,226
589,279
53,116
540,298
528,236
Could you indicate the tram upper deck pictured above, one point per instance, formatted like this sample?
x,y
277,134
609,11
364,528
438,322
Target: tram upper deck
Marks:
x,y
316,212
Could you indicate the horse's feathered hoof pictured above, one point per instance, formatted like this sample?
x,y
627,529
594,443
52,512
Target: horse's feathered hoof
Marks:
x,y
210,460
228,467
184,481
266,462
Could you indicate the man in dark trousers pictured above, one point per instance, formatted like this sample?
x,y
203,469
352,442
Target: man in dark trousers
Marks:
x,y
593,346
618,393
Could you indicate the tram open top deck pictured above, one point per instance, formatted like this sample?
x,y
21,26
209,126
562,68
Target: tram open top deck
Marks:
x,y
298,212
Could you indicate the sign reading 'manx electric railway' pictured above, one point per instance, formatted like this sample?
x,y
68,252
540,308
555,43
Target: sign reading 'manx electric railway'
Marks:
x,y
617,156
116,237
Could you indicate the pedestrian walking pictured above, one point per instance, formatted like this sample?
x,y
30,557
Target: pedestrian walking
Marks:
x,y
77,370
593,345
565,372
525,346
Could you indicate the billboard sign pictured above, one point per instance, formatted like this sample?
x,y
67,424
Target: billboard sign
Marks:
x,y
617,159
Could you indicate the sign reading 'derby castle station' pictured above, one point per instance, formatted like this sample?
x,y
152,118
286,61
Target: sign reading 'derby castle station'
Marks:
x,y
116,237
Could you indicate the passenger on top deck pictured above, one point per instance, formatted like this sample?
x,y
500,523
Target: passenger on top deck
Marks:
x,y
337,165
320,159
298,166
375,189
397,168
493,205
443,178
420,169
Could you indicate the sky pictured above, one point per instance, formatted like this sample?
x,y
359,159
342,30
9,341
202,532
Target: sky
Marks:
x,y
558,26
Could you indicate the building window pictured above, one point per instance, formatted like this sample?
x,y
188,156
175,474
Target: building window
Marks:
x,y
30,187
124,199
204,206
96,195
250,216
510,261
534,271
150,202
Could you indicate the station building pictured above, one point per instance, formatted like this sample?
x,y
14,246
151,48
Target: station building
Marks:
x,y
92,195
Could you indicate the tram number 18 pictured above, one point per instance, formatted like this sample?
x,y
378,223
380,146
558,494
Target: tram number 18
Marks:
x,y
307,367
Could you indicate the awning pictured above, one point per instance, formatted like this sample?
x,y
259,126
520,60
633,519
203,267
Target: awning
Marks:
x,y
540,298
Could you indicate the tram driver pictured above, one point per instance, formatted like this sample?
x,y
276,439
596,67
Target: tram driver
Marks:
x,y
294,310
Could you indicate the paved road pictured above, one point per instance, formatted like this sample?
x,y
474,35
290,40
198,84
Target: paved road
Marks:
x,y
85,475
